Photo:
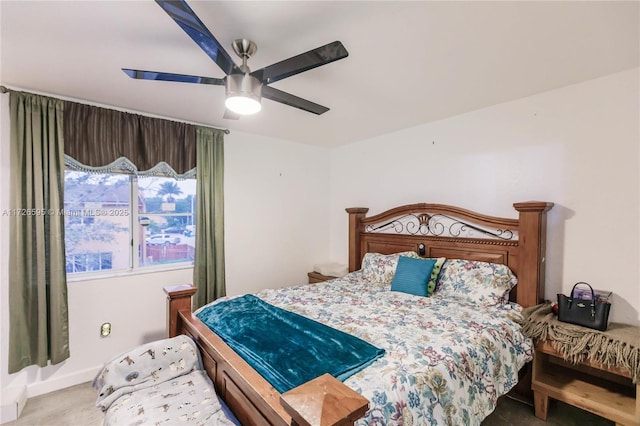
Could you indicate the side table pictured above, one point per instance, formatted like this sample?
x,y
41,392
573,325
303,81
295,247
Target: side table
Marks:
x,y
317,277
605,391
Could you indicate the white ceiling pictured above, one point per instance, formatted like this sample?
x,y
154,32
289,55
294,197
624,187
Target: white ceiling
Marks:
x,y
409,62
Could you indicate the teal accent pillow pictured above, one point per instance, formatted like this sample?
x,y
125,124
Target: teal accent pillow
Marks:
x,y
412,275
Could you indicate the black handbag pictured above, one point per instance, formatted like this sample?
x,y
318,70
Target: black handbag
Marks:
x,y
587,313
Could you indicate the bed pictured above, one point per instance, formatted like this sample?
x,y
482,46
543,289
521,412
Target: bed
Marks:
x,y
420,379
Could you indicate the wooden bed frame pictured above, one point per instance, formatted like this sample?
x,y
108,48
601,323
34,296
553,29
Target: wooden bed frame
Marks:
x,y
432,230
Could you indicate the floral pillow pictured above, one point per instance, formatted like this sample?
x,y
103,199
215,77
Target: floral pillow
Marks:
x,y
433,280
380,268
477,282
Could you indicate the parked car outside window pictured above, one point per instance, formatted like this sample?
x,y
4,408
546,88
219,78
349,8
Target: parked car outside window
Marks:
x,y
162,239
172,230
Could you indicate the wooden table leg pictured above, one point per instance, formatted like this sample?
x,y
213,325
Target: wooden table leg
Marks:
x,y
541,404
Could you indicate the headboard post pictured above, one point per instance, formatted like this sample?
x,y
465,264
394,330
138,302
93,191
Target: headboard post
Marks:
x,y
178,299
356,214
532,236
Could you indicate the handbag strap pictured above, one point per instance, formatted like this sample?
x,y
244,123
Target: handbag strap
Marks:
x,y
593,297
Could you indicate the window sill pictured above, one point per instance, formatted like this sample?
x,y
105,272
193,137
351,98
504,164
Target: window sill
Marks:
x,y
126,273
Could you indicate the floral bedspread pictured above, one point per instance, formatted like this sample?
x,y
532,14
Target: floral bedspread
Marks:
x,y
446,362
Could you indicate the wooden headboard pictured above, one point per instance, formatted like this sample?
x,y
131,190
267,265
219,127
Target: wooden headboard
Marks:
x,y
438,230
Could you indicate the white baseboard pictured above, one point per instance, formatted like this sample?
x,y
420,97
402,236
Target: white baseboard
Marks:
x,y
14,399
12,403
51,385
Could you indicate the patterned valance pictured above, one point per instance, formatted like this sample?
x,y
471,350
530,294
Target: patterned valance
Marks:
x,y
99,137
124,165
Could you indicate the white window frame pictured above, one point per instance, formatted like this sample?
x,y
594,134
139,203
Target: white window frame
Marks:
x,y
134,241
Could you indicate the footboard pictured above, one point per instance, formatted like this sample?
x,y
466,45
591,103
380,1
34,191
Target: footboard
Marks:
x,y
251,398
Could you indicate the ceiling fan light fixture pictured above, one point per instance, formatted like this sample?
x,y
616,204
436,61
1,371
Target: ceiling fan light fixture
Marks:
x,y
244,93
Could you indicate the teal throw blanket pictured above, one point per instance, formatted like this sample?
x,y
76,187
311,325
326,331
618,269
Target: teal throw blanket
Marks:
x,y
287,349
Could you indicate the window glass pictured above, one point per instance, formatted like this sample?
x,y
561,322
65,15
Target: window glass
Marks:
x,y
102,228
97,221
86,262
166,220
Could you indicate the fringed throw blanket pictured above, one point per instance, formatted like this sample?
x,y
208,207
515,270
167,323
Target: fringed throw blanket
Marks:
x,y
287,349
618,346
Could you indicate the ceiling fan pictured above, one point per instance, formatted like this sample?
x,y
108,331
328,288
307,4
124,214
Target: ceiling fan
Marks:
x,y
244,89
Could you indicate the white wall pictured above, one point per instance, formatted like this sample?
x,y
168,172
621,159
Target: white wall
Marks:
x,y
135,307
576,146
276,198
276,211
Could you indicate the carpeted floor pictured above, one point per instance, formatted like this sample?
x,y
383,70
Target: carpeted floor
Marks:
x,y
75,406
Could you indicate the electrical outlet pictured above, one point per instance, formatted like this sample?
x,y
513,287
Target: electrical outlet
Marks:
x,y
105,329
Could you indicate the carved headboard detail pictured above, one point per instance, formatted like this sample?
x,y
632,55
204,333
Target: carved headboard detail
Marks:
x,y
438,230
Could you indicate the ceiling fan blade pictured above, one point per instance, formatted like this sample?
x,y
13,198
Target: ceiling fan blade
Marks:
x,y
303,62
291,100
230,115
182,14
165,76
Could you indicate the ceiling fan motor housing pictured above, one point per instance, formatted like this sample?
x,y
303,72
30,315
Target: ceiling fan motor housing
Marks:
x,y
244,91
242,86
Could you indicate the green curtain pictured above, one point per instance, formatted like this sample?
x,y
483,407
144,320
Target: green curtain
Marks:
x,y
38,313
208,270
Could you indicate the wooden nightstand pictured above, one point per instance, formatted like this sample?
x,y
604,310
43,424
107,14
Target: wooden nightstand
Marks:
x,y
316,277
607,392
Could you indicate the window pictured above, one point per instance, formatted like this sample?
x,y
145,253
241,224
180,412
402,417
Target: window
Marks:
x,y
88,262
120,222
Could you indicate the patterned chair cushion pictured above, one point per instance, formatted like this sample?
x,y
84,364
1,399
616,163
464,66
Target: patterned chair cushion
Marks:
x,y
188,399
161,382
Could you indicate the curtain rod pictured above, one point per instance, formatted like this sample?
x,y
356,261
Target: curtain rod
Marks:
x,y
4,89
